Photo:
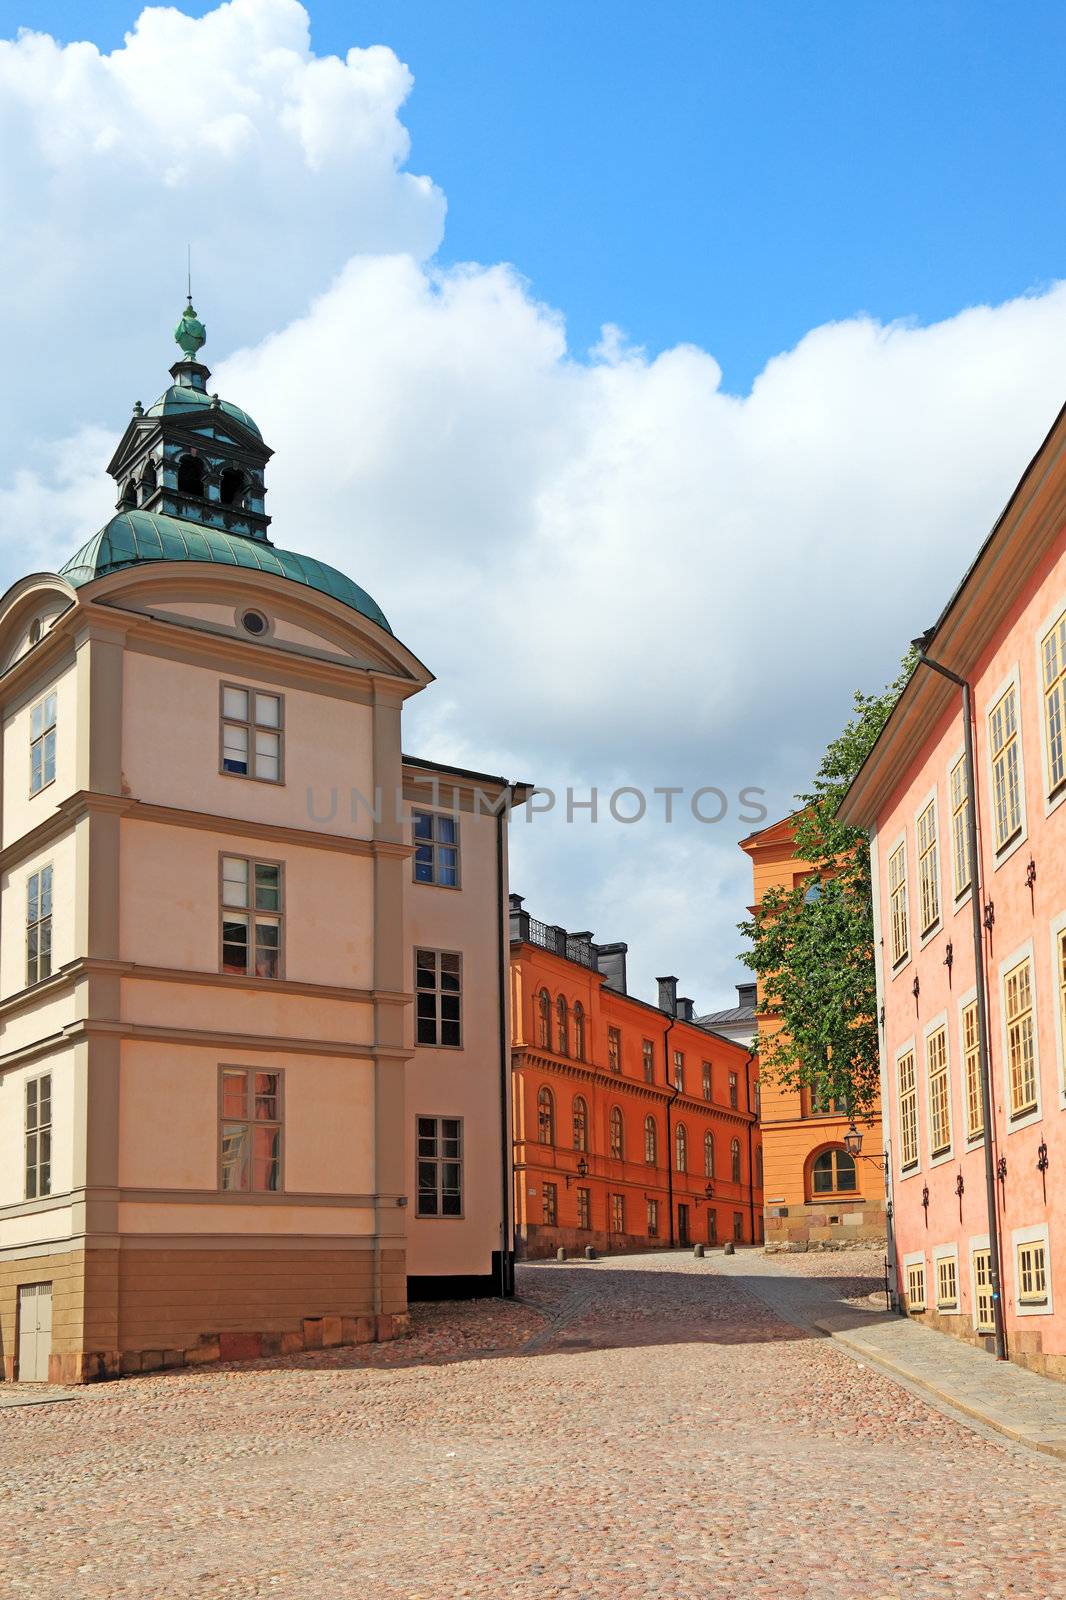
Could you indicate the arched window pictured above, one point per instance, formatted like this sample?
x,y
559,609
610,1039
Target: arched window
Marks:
x,y
579,1031
581,1123
617,1135
758,1166
562,1023
651,1141
191,476
544,1020
734,1160
231,488
148,481
833,1172
708,1155
129,496
546,1116
681,1148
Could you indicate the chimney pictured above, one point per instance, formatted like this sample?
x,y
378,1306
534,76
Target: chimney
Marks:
x,y
747,995
611,961
519,919
668,995
684,1009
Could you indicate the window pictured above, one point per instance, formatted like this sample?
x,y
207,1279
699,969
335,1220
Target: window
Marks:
x,y
440,1167
562,1025
833,1172
149,482
897,897
191,476
250,1134
960,835
545,1116
916,1286
581,1123
551,1205
1032,1274
439,998
983,1304
1006,776
648,1053
436,848
584,1208
544,1020
39,925
1053,652
734,1160
1060,976
618,1213
706,1080
712,1226
708,1155
822,1101
971,1055
947,1284
614,1049
251,917
43,743
733,1090
617,1134
255,623
936,1066
738,1227
651,1141
1021,1061
928,869
680,1148
758,1166
39,1137
252,733
679,1070
579,1031
653,1219
231,489
908,1111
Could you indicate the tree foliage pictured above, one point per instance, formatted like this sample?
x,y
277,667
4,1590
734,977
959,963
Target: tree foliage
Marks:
x,y
812,946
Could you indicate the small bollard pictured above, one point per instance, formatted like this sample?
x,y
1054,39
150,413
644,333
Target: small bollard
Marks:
x,y
560,1254
729,1248
698,1252
590,1254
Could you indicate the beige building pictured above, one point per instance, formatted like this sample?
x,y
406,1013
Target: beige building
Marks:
x,y
225,1129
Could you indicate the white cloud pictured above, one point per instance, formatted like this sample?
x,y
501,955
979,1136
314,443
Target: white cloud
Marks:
x,y
619,573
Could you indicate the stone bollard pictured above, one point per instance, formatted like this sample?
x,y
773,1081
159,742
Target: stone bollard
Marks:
x,y
590,1254
698,1252
560,1254
729,1248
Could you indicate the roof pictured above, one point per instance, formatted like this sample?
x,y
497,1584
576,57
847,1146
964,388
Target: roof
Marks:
x,y
463,772
135,537
183,397
732,1014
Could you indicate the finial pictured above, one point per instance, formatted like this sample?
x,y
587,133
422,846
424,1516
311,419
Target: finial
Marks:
x,y
190,332
138,409
216,403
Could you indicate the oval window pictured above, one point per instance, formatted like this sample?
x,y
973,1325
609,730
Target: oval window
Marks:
x,y
254,622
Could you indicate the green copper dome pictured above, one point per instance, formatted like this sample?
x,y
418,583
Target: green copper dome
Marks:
x,y
136,537
182,399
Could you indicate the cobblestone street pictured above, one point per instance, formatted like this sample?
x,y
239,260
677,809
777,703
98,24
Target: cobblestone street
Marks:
x,y
634,1428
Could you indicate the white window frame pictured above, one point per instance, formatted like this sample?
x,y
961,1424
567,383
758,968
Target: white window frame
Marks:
x,y
1051,801
44,873
959,897
435,846
439,1019
1026,1120
40,1135
46,739
932,799
908,1049
934,1026
1058,928
915,1259
894,967
252,727
972,1140
440,1159
979,1244
1002,854
1037,1234
946,1252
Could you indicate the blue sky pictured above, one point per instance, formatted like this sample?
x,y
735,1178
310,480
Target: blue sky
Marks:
x,y
733,174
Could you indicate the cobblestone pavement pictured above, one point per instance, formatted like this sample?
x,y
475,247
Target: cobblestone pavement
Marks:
x,y
638,1427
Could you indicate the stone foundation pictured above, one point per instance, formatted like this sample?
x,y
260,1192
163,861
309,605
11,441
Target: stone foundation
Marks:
x,y
841,1226
1024,1345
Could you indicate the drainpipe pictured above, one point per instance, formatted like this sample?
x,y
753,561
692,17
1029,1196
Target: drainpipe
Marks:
x,y
982,1007
506,1277
751,1136
669,1136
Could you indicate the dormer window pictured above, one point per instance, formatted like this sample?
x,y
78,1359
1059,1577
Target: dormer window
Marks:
x,y
191,476
231,490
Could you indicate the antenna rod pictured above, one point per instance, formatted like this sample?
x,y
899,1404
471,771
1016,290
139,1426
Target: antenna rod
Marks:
x,y
188,275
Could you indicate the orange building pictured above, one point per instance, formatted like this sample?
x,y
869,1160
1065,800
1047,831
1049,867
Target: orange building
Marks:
x,y
815,1193
635,1127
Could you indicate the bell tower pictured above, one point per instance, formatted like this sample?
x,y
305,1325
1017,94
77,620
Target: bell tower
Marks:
x,y
192,455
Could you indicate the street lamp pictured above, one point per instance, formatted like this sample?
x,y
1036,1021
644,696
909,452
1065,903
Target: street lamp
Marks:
x,y
582,1171
853,1145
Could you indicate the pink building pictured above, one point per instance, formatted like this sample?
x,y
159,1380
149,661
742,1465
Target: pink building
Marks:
x,y
1003,632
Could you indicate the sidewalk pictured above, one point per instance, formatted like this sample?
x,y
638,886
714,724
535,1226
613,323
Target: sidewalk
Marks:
x,y
1011,1401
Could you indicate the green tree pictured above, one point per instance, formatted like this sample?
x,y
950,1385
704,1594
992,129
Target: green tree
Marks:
x,y
812,946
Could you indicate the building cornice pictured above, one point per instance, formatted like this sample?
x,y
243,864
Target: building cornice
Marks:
x,y
590,1072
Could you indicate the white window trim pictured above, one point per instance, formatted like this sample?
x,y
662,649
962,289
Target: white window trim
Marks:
x,y
939,1021
971,1141
915,1259
1023,951
1042,632
1057,927
909,1048
1034,1235
932,798
893,971
945,1252
1012,680
979,1241
957,900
